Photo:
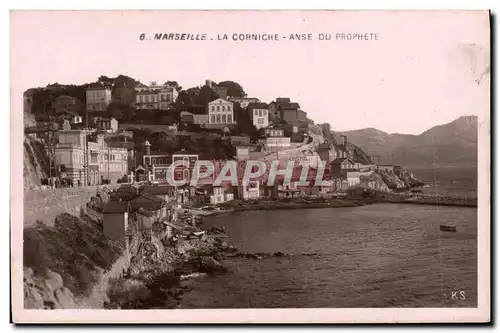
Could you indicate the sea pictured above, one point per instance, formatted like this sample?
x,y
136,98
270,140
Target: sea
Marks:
x,y
380,255
457,181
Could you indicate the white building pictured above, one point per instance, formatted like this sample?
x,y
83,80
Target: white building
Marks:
x,y
278,142
353,178
270,131
101,161
259,114
218,196
166,96
147,100
220,111
98,98
155,97
250,190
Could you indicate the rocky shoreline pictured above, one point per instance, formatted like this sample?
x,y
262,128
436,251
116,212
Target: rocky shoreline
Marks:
x,y
155,277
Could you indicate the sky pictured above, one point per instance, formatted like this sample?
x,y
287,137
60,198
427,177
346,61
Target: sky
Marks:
x,y
420,72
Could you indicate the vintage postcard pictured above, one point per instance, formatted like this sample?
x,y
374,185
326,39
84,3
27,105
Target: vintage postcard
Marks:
x,y
250,166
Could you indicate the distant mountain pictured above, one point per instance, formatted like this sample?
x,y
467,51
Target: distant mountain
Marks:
x,y
452,144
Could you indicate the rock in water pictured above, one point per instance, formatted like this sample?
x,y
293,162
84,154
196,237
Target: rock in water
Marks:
x,y
210,265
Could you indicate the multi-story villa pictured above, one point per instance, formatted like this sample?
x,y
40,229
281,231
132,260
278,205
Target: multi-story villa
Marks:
x,y
155,97
86,158
258,114
98,98
220,111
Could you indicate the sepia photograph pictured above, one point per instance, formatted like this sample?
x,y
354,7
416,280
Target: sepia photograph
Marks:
x,y
250,166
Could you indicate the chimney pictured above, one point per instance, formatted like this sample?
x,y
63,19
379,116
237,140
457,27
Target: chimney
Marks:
x,y
208,83
147,148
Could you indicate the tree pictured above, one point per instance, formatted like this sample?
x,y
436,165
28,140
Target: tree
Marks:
x,y
182,100
205,96
234,89
174,84
123,81
106,81
245,125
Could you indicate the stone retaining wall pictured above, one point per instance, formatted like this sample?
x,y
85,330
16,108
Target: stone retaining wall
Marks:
x,y
46,204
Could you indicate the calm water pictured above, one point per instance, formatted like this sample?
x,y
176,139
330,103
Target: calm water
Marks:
x,y
452,180
382,255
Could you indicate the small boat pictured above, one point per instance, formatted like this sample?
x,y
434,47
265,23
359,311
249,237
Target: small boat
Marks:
x,y
447,228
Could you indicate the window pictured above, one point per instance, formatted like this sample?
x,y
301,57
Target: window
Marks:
x,y
218,118
186,161
256,112
229,108
223,118
213,108
218,108
212,118
185,174
229,119
223,108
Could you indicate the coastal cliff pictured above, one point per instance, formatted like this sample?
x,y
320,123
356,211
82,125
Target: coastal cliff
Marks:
x,y
68,264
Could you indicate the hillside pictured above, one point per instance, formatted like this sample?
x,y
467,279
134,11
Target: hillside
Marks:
x,y
35,166
453,144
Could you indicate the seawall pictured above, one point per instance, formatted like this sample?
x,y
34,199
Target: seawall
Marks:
x,y
46,204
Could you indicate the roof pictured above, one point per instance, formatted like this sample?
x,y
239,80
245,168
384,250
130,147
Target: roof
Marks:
x,y
68,111
235,98
252,106
113,207
284,103
104,119
145,212
220,100
148,92
340,160
324,146
96,86
185,152
147,202
173,225
159,190
127,190
58,98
